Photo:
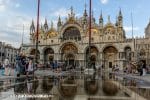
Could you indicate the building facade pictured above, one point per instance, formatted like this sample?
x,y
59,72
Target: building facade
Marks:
x,y
7,51
69,42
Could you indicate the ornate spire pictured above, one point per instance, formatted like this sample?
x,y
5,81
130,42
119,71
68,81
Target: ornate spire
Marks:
x,y
101,20
32,24
71,15
116,21
41,26
93,19
120,13
32,27
52,26
85,12
147,30
120,19
45,25
101,16
109,19
59,23
71,10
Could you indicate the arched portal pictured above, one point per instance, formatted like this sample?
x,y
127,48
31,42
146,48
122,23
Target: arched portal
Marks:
x,y
48,55
127,51
92,56
33,53
109,56
68,54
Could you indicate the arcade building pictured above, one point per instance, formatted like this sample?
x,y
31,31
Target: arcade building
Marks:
x,y
69,42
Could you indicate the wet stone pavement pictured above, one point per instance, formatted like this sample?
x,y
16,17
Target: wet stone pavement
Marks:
x,y
72,86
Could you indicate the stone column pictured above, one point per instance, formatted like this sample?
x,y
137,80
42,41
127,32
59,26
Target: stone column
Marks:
x,y
41,60
81,59
100,58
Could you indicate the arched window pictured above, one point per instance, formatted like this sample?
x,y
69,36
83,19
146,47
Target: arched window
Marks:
x,y
128,53
72,33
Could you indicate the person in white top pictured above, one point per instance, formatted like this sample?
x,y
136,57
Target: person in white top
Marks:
x,y
7,66
30,68
6,62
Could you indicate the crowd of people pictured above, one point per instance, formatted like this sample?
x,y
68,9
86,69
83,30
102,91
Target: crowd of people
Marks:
x,y
23,66
26,66
59,66
140,68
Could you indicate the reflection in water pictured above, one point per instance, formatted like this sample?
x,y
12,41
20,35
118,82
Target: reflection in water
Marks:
x,y
1,85
68,88
110,87
26,85
29,86
47,84
145,92
71,87
20,85
129,82
91,84
32,85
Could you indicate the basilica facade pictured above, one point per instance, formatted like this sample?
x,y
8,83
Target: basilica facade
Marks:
x,y
69,42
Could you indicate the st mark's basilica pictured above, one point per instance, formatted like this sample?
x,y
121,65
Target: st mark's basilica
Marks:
x,y
69,42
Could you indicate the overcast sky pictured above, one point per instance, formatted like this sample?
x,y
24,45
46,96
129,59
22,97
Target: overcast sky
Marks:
x,y
16,13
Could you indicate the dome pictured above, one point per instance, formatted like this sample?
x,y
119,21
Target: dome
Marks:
x,y
52,33
109,28
94,31
109,25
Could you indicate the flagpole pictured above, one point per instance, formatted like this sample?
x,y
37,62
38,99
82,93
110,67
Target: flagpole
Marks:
x,y
22,34
132,24
37,32
90,2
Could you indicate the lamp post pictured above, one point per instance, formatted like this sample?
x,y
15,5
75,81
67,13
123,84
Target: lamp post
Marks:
x,y
37,32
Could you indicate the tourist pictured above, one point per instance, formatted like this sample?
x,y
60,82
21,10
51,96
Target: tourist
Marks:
x,y
7,66
113,68
12,69
23,67
19,65
148,69
129,69
144,69
141,70
30,68
116,68
125,69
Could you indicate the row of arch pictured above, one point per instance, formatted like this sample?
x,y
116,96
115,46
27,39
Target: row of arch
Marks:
x,y
69,53
74,48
